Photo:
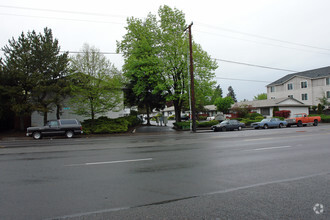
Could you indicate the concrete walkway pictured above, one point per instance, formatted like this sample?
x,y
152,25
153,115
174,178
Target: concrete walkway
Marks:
x,y
154,128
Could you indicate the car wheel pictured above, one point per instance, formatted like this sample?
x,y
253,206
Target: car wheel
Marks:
x,y
239,128
36,135
69,134
281,125
223,129
316,122
266,126
300,124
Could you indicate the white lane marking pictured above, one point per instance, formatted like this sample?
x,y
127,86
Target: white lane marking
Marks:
x,y
109,162
270,148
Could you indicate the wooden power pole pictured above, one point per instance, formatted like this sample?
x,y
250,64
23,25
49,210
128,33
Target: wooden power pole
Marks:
x,y
192,87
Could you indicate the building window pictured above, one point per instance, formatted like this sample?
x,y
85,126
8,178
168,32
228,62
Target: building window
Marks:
x,y
328,94
272,89
304,96
290,96
304,84
290,86
327,81
272,97
265,111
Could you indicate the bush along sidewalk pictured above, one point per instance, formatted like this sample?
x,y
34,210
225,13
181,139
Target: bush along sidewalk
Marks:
x,y
105,125
185,125
324,118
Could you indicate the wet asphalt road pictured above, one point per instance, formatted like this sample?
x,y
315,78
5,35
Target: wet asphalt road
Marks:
x,y
252,174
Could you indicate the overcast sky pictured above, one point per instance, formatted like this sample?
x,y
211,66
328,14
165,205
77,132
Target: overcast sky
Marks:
x,y
285,34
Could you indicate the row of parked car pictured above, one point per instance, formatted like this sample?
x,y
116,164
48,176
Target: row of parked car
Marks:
x,y
298,119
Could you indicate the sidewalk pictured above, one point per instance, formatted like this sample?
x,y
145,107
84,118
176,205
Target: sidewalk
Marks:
x,y
154,128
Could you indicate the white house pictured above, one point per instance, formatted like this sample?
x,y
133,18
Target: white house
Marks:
x,y
307,87
67,113
265,107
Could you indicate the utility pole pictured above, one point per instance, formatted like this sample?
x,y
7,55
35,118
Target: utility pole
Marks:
x,y
192,87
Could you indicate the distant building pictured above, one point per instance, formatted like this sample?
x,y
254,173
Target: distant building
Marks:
x,y
265,107
307,87
68,113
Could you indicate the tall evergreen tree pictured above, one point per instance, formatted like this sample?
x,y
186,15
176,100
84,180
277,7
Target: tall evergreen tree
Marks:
x,y
231,93
32,65
217,92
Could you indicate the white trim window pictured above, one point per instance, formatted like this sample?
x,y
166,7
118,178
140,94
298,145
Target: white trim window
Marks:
x,y
290,86
328,94
272,89
327,81
290,96
272,97
303,84
304,97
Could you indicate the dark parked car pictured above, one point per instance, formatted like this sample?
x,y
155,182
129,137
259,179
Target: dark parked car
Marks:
x,y
269,123
228,125
67,127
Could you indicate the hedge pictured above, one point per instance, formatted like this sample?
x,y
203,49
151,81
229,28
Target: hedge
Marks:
x,y
104,125
185,125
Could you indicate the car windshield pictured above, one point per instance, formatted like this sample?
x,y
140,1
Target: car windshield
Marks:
x,y
265,120
224,122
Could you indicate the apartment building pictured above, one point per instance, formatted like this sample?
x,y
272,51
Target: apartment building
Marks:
x,y
307,87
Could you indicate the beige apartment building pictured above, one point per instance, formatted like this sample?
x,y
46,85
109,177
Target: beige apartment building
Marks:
x,y
307,87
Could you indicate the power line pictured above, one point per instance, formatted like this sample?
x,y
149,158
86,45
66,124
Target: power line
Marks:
x,y
254,65
62,11
263,37
264,43
247,80
65,19
122,16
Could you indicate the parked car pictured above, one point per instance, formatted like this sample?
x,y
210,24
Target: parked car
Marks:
x,y
303,119
269,123
228,125
67,127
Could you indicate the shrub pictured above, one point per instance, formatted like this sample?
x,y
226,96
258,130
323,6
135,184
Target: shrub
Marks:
x,y
259,118
254,115
207,123
172,117
283,113
183,125
104,125
325,118
202,117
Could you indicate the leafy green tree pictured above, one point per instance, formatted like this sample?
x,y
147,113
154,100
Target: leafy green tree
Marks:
x,y
324,100
261,96
224,104
32,65
231,93
168,50
217,92
142,65
96,84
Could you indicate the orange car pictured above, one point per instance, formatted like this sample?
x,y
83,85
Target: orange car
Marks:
x,y
303,119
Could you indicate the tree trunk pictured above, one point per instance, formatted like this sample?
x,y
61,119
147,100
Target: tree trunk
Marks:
x,y
177,110
45,117
58,112
148,115
21,123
